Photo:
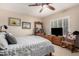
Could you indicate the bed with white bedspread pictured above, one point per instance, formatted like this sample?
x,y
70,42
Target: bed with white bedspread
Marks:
x,y
30,46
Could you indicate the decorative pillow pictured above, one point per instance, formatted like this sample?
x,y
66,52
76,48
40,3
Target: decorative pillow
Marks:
x,y
10,39
3,42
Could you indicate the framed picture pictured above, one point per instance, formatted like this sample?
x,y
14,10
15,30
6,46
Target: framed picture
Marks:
x,y
26,25
14,21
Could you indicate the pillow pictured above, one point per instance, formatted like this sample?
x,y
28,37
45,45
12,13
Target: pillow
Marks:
x,y
3,42
10,39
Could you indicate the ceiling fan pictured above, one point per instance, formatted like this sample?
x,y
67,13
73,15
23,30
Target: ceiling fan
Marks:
x,y
48,5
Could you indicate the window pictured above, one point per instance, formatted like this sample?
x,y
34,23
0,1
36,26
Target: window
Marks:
x,y
61,22
65,26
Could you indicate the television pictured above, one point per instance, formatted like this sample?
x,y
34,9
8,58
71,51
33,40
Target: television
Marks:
x,y
57,31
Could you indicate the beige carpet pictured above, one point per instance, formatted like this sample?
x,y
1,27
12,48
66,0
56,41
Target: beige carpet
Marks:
x,y
59,51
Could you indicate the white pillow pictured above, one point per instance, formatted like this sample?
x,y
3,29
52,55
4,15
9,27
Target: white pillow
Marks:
x,y
3,42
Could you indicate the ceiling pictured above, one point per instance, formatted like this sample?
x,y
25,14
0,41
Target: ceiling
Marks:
x,y
34,11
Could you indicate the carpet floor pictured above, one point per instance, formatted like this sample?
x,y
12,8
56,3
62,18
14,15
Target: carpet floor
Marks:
x,y
59,51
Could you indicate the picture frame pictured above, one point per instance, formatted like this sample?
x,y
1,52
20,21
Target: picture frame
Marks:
x,y
26,25
14,21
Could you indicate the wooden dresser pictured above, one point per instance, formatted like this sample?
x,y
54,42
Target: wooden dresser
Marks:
x,y
54,39
49,37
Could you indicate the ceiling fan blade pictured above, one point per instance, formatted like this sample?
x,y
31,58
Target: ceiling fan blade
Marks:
x,y
50,7
34,5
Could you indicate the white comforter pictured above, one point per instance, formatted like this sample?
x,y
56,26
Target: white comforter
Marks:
x,y
37,45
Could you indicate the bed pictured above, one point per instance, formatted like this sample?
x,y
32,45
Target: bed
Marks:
x,y
30,46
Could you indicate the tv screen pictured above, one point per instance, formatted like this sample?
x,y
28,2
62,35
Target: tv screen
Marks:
x,y
57,31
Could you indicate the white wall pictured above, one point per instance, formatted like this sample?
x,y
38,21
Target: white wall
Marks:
x,y
17,30
73,13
